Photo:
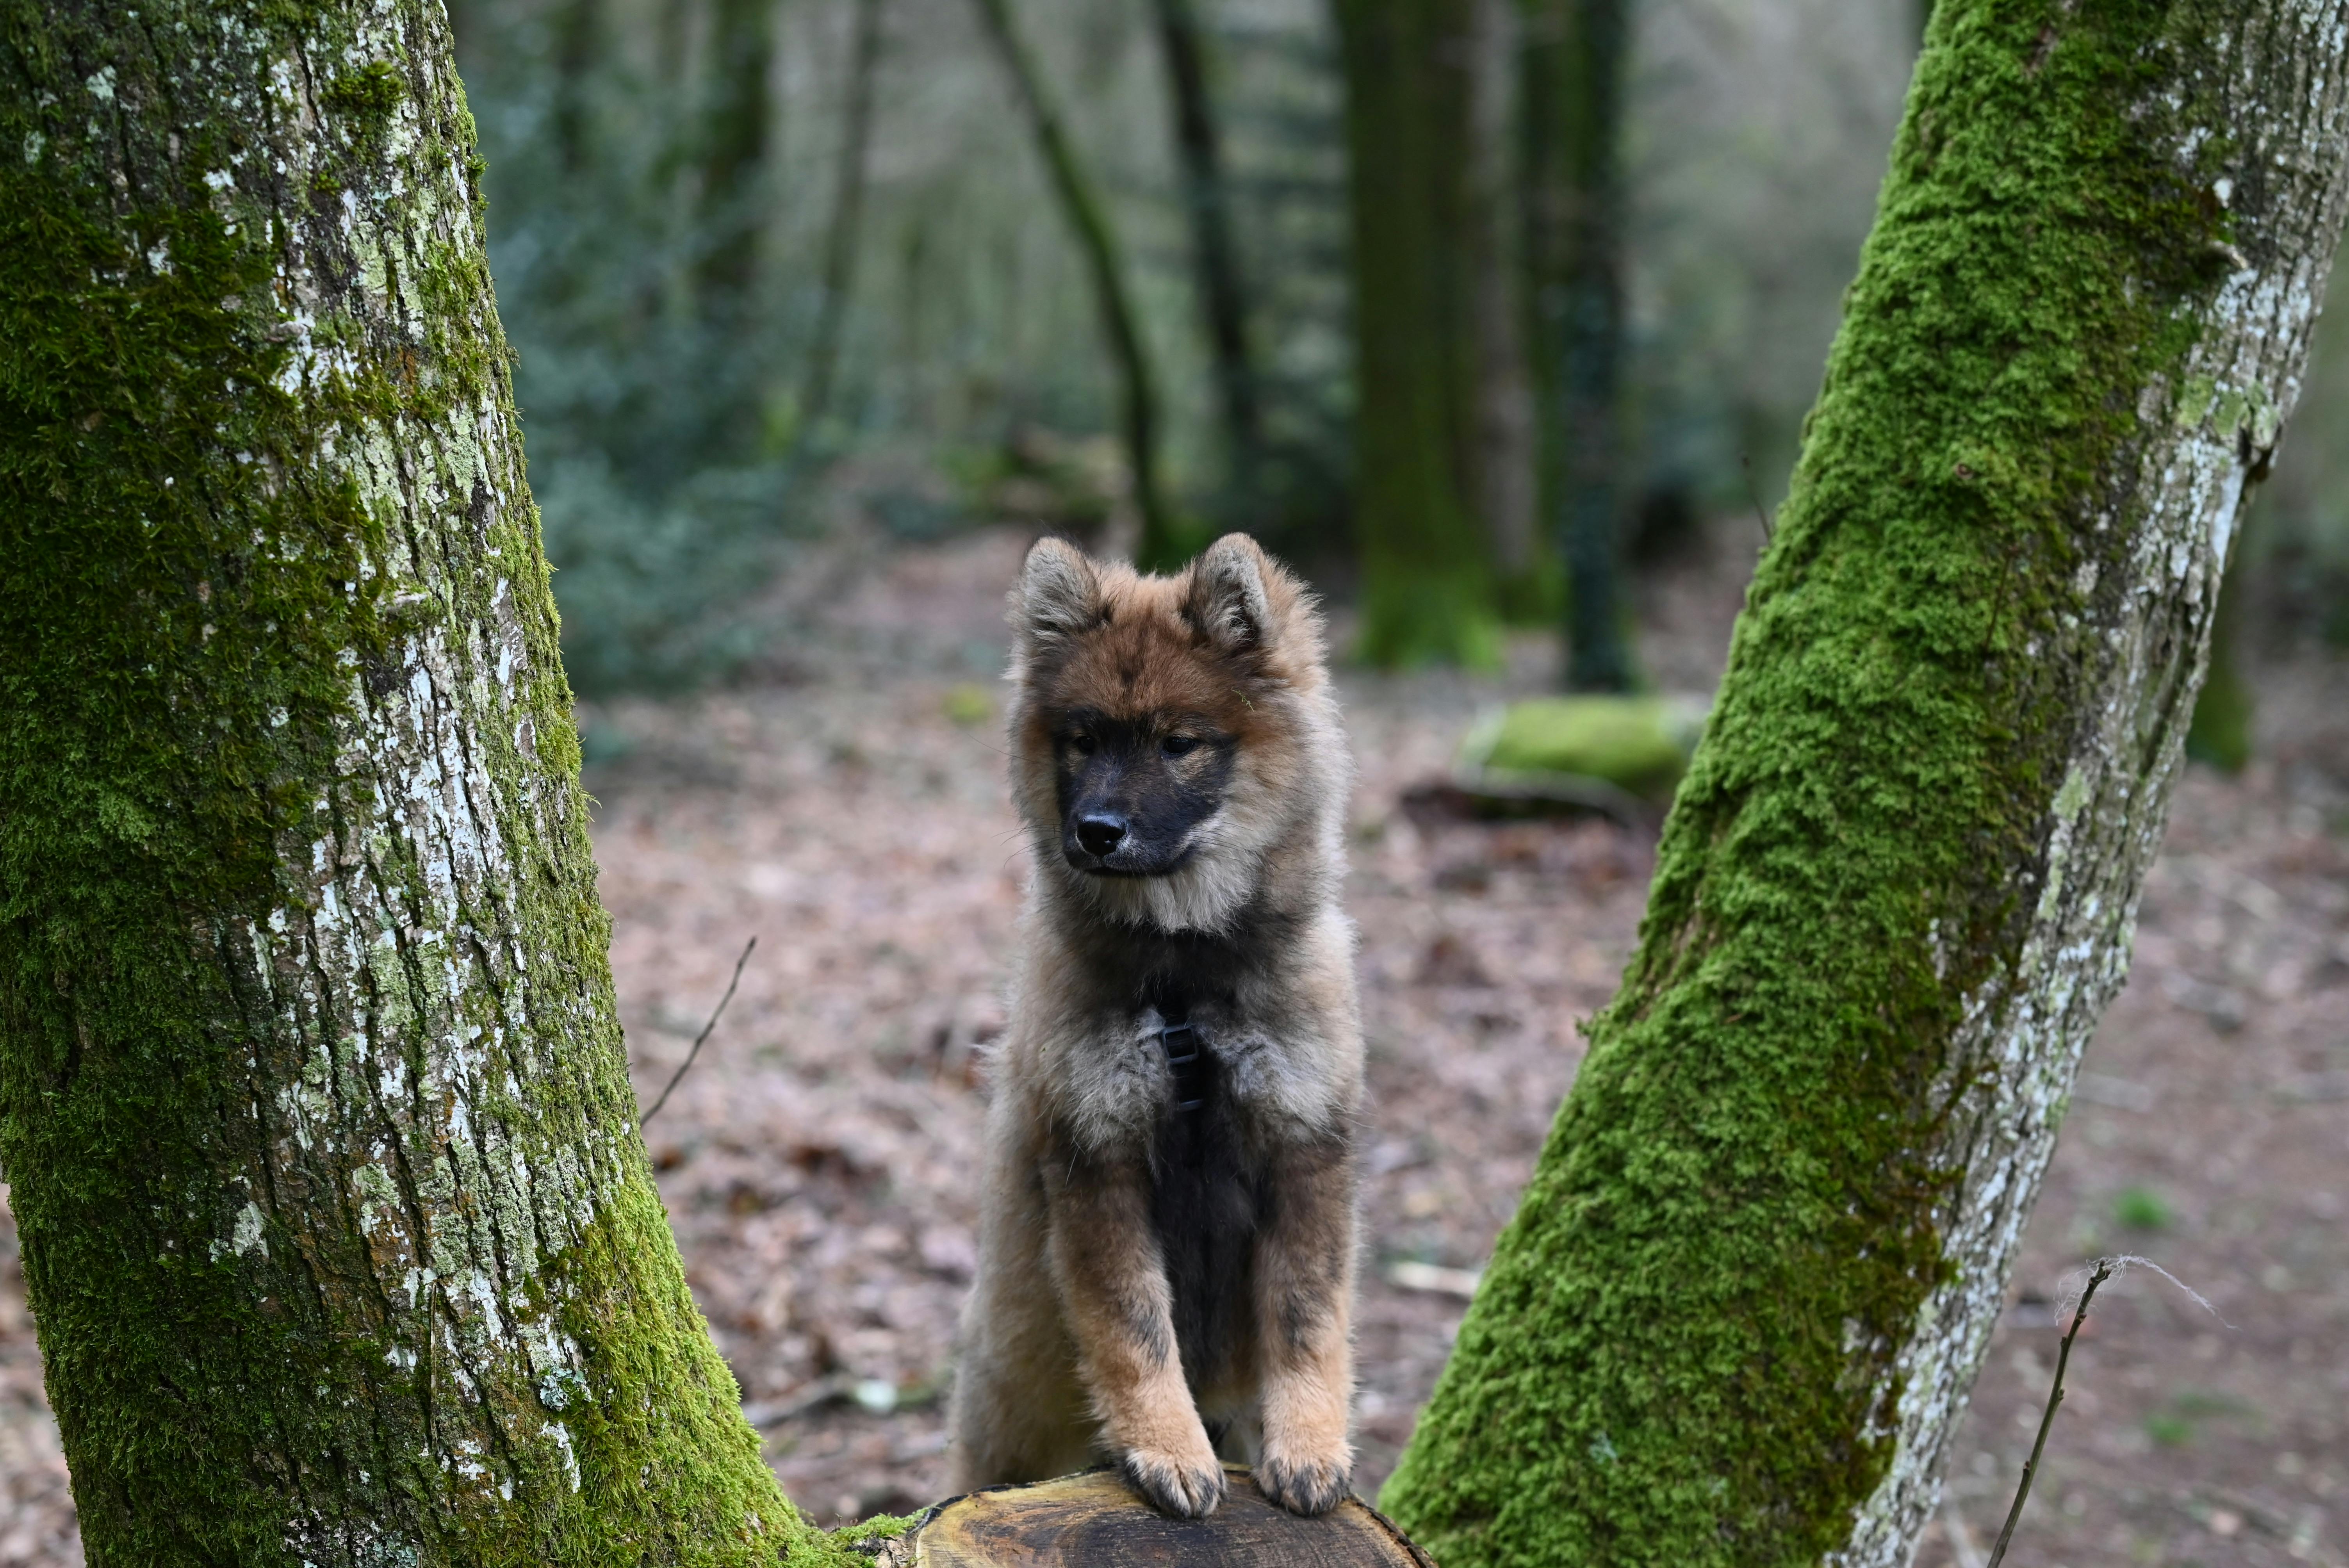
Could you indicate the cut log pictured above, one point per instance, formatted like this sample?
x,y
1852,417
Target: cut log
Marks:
x,y
1095,1520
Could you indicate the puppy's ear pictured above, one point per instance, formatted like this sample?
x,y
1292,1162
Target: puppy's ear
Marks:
x,y
1226,601
1058,593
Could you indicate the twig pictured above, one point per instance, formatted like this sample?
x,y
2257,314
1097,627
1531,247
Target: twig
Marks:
x,y
2121,1263
811,1397
2102,1272
686,1066
1754,494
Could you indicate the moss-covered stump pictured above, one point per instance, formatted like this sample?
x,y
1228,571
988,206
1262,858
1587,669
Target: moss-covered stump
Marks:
x,y
1622,755
1095,1521
1751,1281
341,1239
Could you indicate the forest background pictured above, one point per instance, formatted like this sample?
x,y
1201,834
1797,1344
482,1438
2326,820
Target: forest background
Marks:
x,y
770,266
790,281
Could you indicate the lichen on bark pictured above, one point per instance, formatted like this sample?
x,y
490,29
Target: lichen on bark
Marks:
x,y
1738,1310
340,1235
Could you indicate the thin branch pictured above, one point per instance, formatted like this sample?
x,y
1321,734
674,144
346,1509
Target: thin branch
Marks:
x,y
687,1066
2121,1263
2102,1271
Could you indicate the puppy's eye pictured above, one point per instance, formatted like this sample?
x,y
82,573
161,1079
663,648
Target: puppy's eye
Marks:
x,y
1083,745
1178,745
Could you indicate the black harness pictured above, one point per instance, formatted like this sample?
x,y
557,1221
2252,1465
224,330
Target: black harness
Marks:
x,y
1180,1040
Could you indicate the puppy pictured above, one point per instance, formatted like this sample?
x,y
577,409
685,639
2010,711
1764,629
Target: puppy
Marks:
x,y
1167,1234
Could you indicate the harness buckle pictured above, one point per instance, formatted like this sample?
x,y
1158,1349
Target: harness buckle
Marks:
x,y
1180,1058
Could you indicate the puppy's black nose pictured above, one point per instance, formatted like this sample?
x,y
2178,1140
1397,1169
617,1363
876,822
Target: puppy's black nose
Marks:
x,y
1100,833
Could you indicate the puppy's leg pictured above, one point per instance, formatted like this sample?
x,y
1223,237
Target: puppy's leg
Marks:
x,y
1304,1301
1113,1285
1018,1411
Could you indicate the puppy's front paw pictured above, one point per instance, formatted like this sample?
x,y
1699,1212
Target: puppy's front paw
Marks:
x,y
1309,1486
1187,1486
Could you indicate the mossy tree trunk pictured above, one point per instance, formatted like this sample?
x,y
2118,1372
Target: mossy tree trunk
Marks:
x,y
1573,58
1163,543
1750,1284
1427,590
339,1231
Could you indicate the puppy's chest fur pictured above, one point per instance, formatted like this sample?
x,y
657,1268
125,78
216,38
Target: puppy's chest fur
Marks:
x,y
1267,1070
1208,1131
1209,1199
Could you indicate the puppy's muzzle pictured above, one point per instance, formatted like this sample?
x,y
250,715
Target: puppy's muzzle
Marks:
x,y
1100,834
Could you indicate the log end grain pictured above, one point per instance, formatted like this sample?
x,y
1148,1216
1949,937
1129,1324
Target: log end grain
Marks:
x,y
1095,1519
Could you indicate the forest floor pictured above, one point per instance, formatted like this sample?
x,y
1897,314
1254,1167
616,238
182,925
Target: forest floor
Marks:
x,y
848,808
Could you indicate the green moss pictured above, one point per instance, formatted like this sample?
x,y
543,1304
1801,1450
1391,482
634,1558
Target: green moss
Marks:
x,y
1634,743
370,93
1732,1223
196,620
879,1528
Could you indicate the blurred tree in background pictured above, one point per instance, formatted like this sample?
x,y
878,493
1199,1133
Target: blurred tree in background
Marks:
x,y
775,269
1427,588
1574,58
1221,285
2296,543
1072,183
843,236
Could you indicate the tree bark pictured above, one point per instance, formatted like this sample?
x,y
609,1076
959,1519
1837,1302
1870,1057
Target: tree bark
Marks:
x,y
1738,1314
1573,109
339,1230
1162,545
1427,592
844,236
1215,252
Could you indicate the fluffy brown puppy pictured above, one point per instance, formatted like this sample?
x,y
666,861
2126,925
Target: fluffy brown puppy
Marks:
x,y
1166,1247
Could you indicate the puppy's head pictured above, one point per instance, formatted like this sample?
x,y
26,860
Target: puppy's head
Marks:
x,y
1166,728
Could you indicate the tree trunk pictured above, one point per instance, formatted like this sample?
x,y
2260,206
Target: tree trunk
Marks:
x,y
1505,462
1161,544
845,234
1427,582
1739,1309
339,1231
734,133
1573,112
1215,252
578,51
